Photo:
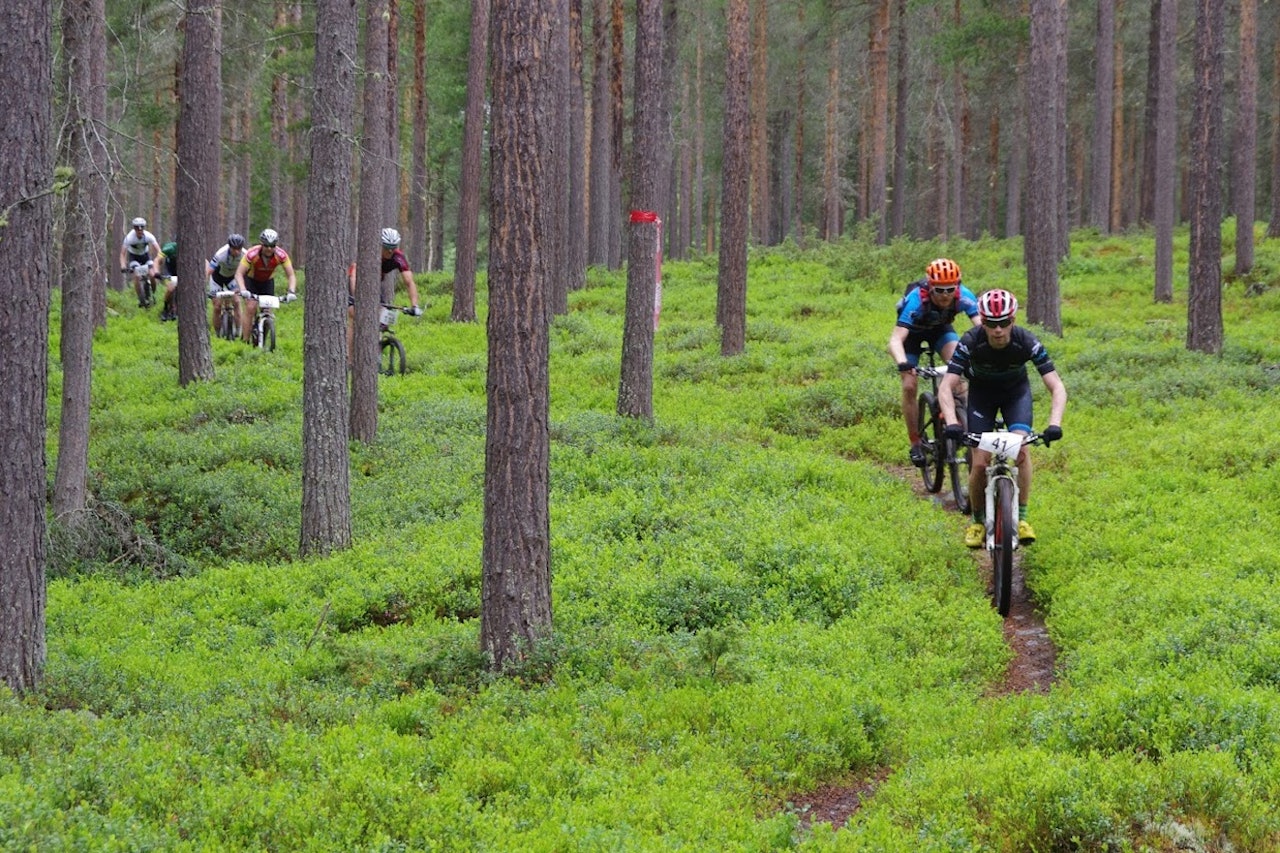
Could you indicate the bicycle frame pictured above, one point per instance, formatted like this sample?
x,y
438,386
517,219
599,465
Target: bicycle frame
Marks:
x,y
1004,448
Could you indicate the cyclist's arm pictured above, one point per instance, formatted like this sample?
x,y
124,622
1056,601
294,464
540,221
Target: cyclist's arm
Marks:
x,y
289,274
241,269
1057,397
898,344
412,287
947,397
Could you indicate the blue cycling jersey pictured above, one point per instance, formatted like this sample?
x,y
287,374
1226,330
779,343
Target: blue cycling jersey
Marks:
x,y
917,313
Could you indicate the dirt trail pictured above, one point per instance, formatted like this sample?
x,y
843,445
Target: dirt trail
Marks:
x,y
1031,670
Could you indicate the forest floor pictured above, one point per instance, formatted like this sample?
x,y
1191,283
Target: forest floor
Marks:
x,y
1030,670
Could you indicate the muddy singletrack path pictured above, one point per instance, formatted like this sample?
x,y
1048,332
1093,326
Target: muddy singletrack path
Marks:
x,y
1031,670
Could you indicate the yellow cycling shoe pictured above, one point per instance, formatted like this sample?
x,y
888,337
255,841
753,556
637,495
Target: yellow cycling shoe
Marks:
x,y
974,534
1026,533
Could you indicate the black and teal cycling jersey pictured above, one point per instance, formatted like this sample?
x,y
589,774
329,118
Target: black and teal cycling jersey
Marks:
x,y
977,360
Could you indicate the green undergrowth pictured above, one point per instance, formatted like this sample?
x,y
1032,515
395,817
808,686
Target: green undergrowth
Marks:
x,y
748,604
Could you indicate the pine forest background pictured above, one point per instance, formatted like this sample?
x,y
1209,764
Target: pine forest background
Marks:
x,y
925,99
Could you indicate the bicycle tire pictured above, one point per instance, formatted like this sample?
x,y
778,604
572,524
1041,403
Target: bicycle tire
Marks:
x,y
1006,528
958,468
226,325
149,287
931,441
391,358
268,334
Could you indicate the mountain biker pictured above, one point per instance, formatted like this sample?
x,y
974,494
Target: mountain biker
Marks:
x,y
994,357
167,263
255,274
393,259
925,314
222,276
139,247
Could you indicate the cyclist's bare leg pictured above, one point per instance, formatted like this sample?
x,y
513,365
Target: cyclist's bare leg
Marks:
x,y
1024,478
978,481
910,406
248,313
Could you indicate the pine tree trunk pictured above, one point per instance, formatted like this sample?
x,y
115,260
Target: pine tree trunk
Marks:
x,y
879,129
198,184
1246,147
648,148
1204,296
1103,91
464,278
1043,244
516,574
326,489
26,193
759,98
601,139
374,166
1164,149
576,236
419,210
735,175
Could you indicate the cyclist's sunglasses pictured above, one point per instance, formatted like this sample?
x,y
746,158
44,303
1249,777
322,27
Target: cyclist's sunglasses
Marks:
x,y
997,324
944,288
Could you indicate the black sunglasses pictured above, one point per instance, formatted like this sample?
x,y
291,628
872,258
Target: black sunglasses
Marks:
x,y
997,324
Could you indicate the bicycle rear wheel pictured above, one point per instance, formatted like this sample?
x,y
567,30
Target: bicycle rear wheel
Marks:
x,y
1006,528
391,358
931,441
958,464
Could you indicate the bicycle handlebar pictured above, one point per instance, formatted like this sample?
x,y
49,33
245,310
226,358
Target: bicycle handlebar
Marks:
x,y
972,439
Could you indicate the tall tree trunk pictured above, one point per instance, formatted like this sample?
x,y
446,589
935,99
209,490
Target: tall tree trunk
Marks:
x,y
1115,218
735,174
760,123
960,152
601,139
1104,79
419,209
648,144
1164,152
391,91
615,136
464,278
85,57
1273,226
557,187
698,215
279,126
326,485
1204,297
1246,147
516,574
831,195
576,235
901,92
199,179
1043,245
297,141
879,129
26,192
375,145
1150,118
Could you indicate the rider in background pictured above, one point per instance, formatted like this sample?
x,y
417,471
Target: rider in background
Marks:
x,y
167,263
994,357
141,247
222,276
925,314
255,275
393,259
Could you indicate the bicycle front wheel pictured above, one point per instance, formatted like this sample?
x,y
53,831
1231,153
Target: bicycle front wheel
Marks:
x,y
226,325
958,463
931,441
1006,528
268,338
391,359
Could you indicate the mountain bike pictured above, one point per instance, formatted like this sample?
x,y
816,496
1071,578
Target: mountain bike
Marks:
x,y
228,322
391,359
263,334
942,456
1002,506
144,285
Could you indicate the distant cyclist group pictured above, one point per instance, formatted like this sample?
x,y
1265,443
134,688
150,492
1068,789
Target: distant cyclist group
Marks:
x,y
986,382
238,274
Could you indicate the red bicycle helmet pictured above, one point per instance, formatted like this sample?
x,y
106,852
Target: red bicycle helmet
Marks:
x,y
942,271
997,304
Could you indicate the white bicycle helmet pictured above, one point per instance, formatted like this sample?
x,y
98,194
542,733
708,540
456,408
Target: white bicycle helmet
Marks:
x,y
268,238
139,222
390,238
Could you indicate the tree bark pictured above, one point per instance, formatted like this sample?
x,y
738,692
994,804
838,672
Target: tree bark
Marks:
x,y
616,118
735,174
1273,227
85,57
576,236
1164,112
326,489
1115,217
648,144
464,277
199,180
1204,297
1246,144
375,147
26,193
879,129
901,92
516,574
419,203
601,139
1103,91
1044,243
557,119
831,195
759,99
